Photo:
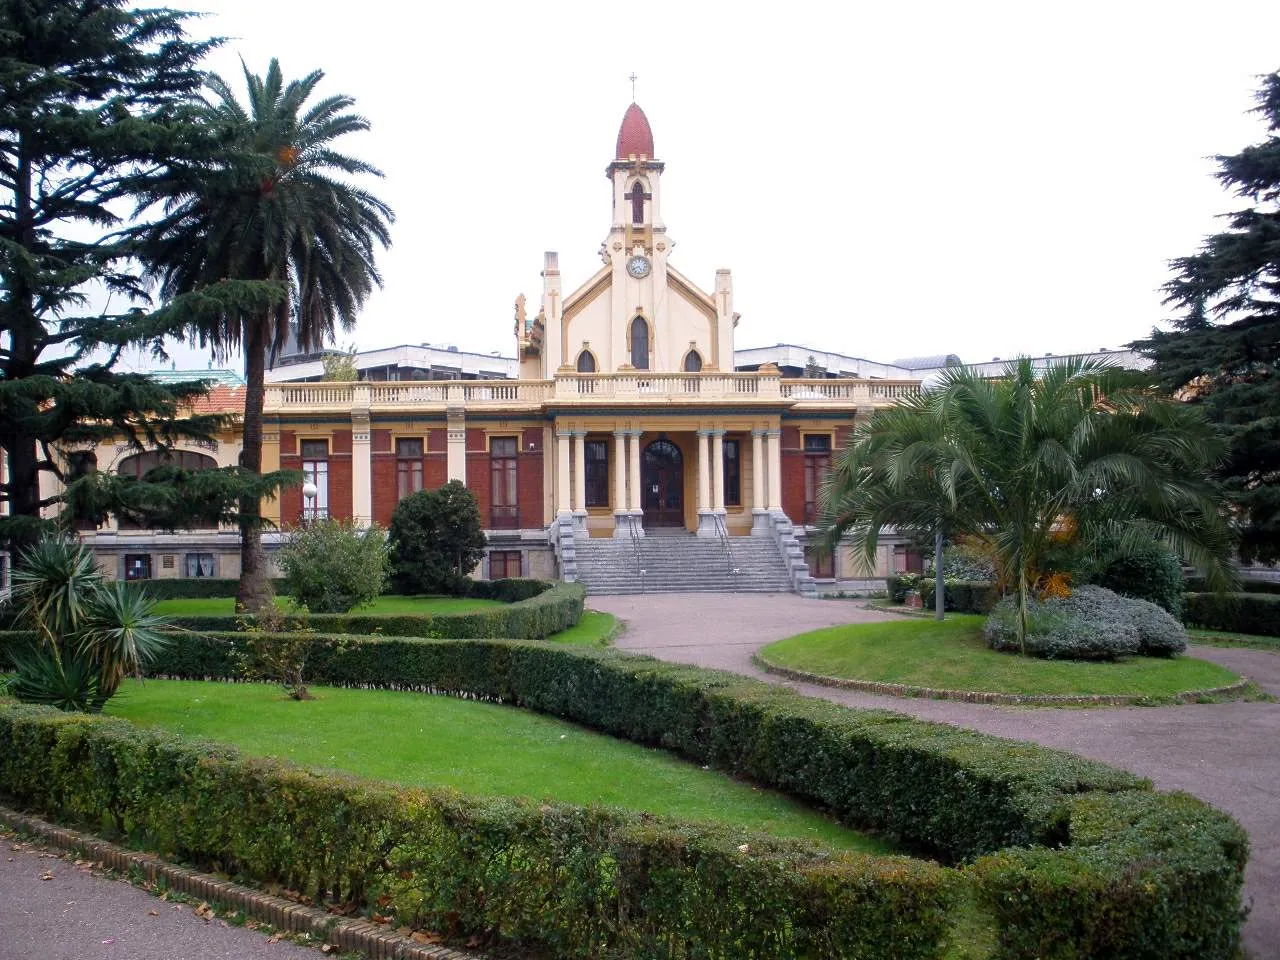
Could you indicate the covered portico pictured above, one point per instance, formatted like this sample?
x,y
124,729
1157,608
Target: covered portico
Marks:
x,y
627,475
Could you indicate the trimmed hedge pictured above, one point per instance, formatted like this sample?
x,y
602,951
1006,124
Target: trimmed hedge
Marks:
x,y
536,609
192,588
961,596
1199,585
1234,612
1141,874
524,878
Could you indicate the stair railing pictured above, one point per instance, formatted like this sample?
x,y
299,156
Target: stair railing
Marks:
x,y
635,548
722,531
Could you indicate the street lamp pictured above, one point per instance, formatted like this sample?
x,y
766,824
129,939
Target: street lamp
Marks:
x,y
309,492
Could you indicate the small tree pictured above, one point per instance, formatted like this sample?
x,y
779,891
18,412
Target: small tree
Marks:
x,y
340,367
436,540
275,647
333,566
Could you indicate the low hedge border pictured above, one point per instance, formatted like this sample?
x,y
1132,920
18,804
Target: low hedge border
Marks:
x,y
527,879
345,933
1144,874
908,691
1200,585
535,610
1257,613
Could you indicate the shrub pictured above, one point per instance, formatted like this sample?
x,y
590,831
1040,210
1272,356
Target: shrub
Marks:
x,y
1091,624
961,596
1072,857
555,607
191,588
436,540
523,877
332,566
901,584
1149,571
86,634
1235,612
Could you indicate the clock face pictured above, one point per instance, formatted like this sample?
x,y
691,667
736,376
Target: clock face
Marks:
x,y
638,267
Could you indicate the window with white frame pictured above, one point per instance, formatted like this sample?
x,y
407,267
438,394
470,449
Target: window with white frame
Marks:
x,y
315,470
199,565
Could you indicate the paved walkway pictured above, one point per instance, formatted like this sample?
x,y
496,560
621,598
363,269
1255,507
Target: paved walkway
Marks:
x,y
1227,754
52,909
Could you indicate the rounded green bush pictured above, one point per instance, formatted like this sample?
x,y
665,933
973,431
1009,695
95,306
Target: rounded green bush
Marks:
x,y
1091,624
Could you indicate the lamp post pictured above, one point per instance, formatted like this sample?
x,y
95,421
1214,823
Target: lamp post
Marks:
x,y
309,493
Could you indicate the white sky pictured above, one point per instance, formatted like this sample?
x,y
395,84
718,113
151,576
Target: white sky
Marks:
x,y
883,179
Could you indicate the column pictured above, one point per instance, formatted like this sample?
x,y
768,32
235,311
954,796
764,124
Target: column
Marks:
x,y
361,473
562,472
633,464
621,517
759,512
456,461
580,481
773,444
717,471
706,523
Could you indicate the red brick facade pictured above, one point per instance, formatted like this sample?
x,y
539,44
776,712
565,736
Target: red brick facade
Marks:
x,y
792,475
382,472
478,481
529,478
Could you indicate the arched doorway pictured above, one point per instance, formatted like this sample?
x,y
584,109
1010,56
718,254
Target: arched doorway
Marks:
x,y
662,482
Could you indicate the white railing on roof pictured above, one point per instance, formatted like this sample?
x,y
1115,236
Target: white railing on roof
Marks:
x,y
643,386
849,391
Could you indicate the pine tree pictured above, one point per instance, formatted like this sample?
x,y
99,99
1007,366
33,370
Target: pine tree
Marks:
x,y
1224,354
94,113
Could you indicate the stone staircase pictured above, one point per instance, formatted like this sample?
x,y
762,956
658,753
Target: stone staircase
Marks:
x,y
681,564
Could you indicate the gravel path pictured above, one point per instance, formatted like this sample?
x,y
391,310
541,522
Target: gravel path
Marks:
x,y
52,909
1227,754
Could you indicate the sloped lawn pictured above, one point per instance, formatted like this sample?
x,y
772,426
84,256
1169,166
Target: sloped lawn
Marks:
x,y
480,748
952,655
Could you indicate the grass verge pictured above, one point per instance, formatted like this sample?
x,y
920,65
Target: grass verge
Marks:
x,y
951,655
390,605
478,748
1221,638
595,629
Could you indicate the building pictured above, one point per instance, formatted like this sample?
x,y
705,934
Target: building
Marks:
x,y
625,413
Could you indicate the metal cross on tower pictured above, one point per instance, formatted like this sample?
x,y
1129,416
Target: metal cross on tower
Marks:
x,y
634,78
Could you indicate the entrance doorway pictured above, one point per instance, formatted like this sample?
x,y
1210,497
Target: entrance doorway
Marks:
x,y
662,482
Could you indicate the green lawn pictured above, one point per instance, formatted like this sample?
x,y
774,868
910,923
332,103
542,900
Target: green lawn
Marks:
x,y
952,655
480,748
226,606
1224,638
595,629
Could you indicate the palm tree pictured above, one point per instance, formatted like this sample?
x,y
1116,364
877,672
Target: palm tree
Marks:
x,y
1025,462
282,208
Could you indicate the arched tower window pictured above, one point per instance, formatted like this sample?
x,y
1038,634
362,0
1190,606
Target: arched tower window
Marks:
x,y
637,196
640,343
692,361
586,362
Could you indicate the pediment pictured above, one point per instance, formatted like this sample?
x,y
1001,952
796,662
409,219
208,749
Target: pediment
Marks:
x,y
691,292
601,281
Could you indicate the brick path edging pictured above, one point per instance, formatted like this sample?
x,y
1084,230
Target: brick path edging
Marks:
x,y
973,696
345,933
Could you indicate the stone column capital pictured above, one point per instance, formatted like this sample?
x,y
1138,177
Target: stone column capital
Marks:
x,y
758,433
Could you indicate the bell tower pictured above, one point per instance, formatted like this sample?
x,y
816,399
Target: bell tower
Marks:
x,y
637,246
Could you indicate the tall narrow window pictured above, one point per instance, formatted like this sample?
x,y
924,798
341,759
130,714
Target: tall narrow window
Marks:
x,y
408,466
817,464
505,510
637,196
732,473
692,361
596,468
315,471
586,362
640,343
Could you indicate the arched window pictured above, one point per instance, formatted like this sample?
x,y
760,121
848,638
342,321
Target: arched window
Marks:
x,y
640,343
692,361
586,362
139,464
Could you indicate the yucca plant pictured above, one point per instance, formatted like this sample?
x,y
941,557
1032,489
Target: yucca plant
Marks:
x,y
90,634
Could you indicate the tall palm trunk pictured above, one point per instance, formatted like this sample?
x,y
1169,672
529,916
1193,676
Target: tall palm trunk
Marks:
x,y
255,588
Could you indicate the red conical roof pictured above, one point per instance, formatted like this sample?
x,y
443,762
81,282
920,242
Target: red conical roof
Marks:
x,y
634,136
